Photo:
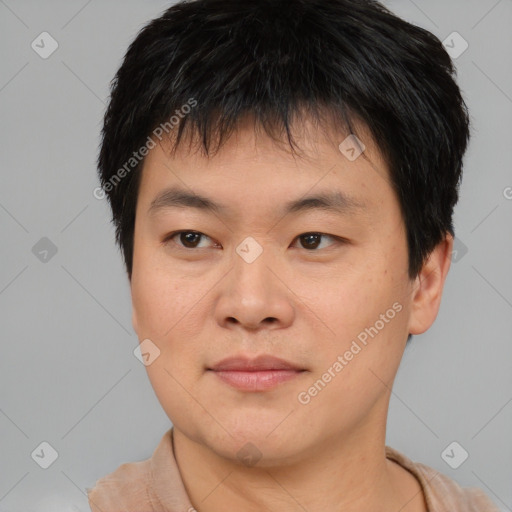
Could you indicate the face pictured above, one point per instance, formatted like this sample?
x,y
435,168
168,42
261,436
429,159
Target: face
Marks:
x,y
259,268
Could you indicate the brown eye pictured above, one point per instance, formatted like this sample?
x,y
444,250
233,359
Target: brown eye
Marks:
x,y
311,241
187,239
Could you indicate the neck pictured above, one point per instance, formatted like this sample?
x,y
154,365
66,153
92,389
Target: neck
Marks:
x,y
346,473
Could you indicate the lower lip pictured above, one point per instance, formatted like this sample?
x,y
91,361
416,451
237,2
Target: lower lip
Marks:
x,y
256,380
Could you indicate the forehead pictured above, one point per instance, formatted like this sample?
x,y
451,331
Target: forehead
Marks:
x,y
331,170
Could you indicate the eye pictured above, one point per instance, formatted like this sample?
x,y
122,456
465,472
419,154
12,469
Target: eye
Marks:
x,y
312,241
187,239
191,240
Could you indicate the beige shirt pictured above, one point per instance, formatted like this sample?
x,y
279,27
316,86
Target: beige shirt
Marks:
x,y
155,485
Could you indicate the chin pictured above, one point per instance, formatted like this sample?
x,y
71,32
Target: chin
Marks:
x,y
257,450
254,441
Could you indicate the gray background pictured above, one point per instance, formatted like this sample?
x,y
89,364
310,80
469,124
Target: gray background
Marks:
x,y
68,375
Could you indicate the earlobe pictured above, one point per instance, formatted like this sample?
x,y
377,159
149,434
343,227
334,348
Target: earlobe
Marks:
x,y
428,287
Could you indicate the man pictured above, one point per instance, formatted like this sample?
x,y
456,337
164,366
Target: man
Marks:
x,y
282,177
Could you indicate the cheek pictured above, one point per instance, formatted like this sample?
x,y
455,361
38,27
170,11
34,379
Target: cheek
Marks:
x,y
168,311
349,304
367,315
355,374
171,390
163,302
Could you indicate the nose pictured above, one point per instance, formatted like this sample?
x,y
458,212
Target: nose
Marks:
x,y
254,295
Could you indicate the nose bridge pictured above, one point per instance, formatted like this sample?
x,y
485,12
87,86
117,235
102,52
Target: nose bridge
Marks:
x,y
252,293
251,274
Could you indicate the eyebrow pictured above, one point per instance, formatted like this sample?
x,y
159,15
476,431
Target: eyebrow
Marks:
x,y
334,201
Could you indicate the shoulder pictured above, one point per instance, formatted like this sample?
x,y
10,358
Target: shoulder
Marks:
x,y
125,489
443,494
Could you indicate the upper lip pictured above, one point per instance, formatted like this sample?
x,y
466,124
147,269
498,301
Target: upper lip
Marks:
x,y
259,363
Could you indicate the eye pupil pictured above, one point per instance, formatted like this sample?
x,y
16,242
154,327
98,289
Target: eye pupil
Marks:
x,y
312,237
188,237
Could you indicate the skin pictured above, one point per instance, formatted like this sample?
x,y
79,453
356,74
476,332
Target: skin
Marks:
x,y
299,302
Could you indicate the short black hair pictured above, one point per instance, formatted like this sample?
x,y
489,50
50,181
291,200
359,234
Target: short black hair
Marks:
x,y
275,59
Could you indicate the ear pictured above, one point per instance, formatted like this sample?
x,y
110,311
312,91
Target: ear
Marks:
x,y
428,287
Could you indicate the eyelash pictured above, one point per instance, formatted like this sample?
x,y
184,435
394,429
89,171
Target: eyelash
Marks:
x,y
169,238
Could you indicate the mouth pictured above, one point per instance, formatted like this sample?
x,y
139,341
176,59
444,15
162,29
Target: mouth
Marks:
x,y
257,374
